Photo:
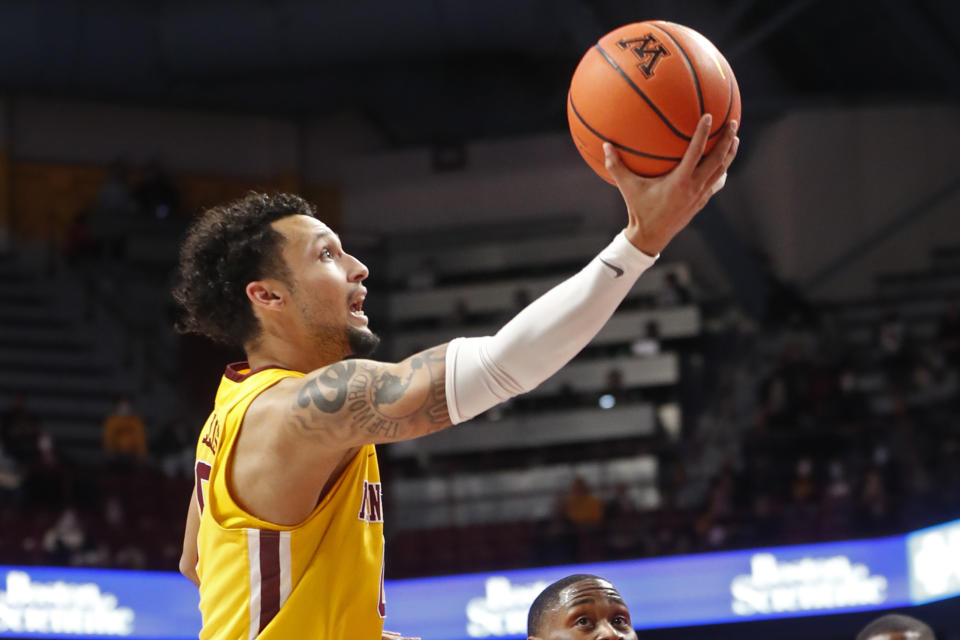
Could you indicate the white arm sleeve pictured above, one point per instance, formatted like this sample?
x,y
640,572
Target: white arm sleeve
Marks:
x,y
483,372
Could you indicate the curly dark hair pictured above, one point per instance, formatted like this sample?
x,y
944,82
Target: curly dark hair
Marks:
x,y
229,246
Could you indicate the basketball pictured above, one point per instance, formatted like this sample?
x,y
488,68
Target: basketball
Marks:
x,y
643,88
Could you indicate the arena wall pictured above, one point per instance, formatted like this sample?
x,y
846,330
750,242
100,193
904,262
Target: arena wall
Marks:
x,y
807,190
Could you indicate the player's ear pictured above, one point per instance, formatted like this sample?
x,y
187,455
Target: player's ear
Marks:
x,y
265,294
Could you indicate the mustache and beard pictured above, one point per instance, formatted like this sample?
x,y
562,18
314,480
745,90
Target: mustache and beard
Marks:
x,y
339,341
363,342
344,342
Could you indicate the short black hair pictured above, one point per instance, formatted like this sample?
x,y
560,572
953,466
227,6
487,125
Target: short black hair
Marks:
x,y
549,598
896,623
228,247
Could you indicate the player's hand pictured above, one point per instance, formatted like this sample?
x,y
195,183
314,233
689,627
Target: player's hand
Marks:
x,y
393,635
660,207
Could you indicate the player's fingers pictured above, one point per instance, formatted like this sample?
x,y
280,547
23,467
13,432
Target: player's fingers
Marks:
x,y
721,172
718,156
615,167
695,149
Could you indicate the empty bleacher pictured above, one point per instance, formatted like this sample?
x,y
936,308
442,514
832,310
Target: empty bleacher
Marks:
x,y
57,361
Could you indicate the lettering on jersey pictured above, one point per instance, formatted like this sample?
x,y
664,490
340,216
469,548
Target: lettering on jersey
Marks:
x,y
648,50
212,437
371,506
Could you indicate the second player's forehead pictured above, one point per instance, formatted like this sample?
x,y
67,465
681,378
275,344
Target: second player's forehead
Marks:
x,y
587,590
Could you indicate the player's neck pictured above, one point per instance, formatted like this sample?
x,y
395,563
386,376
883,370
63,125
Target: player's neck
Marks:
x,y
272,352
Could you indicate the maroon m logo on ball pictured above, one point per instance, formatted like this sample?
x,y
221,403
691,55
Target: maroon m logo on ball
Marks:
x,y
648,50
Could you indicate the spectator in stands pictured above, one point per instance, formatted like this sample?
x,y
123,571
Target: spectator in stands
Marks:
x,y
672,292
896,626
124,434
649,344
156,195
580,506
600,611
66,539
114,211
613,389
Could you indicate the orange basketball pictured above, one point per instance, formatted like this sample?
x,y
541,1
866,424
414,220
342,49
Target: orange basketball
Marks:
x,y
643,88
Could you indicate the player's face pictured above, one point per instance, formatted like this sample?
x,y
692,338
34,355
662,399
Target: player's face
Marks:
x,y
327,292
590,609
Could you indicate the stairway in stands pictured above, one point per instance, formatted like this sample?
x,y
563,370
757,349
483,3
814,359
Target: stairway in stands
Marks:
x,y
66,368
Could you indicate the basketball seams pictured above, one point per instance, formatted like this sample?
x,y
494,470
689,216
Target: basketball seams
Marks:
x,y
696,80
726,116
586,124
690,67
639,92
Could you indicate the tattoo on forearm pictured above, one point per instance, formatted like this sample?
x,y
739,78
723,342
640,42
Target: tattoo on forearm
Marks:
x,y
377,400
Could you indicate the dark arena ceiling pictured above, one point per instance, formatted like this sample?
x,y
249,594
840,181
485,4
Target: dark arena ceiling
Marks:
x,y
425,71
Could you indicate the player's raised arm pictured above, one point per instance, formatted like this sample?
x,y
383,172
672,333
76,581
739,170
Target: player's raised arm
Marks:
x,y
355,402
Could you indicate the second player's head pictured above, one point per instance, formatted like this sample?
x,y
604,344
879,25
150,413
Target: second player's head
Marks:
x,y
265,268
580,607
896,627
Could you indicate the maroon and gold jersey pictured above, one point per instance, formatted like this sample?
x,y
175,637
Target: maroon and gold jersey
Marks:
x,y
320,579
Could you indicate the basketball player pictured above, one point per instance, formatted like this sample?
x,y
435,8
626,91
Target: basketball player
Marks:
x,y
896,627
579,607
284,533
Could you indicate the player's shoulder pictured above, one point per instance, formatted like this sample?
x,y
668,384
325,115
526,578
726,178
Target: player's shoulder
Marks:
x,y
274,400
